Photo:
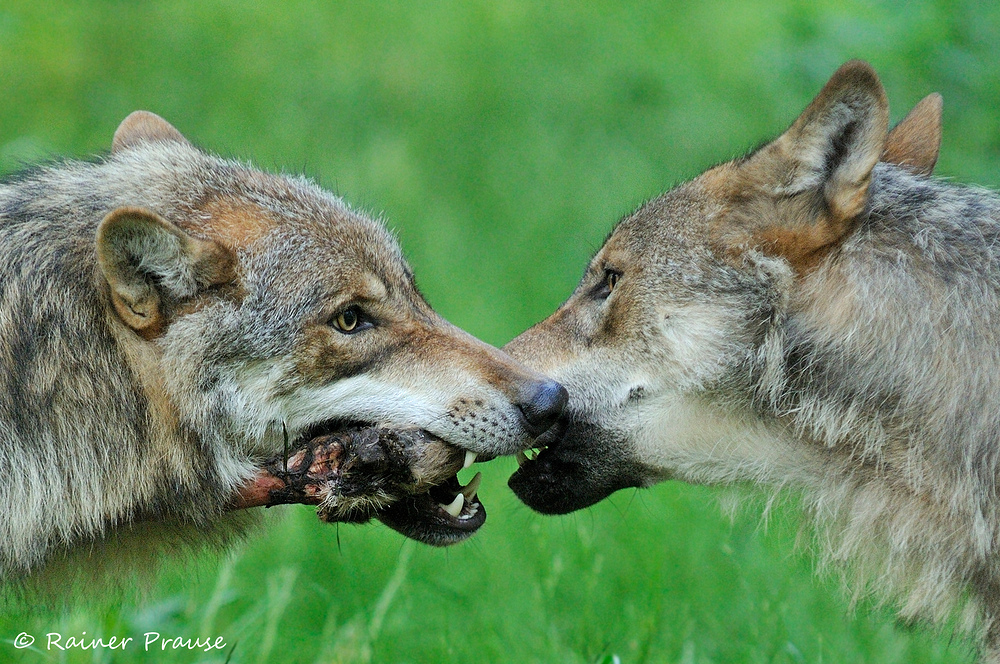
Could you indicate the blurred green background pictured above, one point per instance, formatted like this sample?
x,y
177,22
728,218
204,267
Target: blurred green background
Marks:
x,y
501,140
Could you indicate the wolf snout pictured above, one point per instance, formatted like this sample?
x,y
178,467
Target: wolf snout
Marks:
x,y
541,404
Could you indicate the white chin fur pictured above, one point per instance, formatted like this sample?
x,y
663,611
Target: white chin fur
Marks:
x,y
692,439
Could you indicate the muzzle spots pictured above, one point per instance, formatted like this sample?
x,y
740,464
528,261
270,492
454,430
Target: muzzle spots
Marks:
x,y
483,423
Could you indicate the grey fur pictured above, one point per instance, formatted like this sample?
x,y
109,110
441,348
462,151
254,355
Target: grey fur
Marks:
x,y
753,335
165,313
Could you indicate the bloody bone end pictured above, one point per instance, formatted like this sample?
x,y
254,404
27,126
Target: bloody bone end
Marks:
x,y
352,473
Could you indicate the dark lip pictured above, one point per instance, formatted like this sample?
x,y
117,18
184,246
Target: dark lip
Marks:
x,y
581,465
552,436
536,484
422,518
554,433
550,484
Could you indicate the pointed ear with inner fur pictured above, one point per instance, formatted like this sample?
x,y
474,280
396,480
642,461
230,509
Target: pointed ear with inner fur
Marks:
x,y
144,127
150,264
915,142
799,195
836,142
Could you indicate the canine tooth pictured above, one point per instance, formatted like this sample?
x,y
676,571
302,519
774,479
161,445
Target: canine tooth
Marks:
x,y
470,458
455,508
470,489
521,458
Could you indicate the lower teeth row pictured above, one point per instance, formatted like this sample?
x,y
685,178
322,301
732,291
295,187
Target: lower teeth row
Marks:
x,y
455,508
465,494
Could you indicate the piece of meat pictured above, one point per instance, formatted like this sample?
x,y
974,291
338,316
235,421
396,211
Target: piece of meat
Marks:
x,y
353,473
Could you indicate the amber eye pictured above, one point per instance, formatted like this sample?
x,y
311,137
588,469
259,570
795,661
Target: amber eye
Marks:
x,y
347,320
611,279
351,320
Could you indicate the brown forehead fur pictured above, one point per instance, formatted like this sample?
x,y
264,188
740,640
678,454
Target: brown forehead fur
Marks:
x,y
236,223
799,228
333,244
731,209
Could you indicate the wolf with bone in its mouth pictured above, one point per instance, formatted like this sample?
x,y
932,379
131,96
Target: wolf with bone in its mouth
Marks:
x,y
168,317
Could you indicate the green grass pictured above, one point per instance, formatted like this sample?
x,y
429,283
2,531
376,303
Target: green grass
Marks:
x,y
501,140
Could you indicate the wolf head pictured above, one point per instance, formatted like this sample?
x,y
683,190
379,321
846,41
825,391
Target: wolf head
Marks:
x,y
260,308
663,344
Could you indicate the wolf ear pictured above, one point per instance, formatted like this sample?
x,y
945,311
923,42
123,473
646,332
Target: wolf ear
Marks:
x,y
915,142
144,127
838,139
149,262
816,175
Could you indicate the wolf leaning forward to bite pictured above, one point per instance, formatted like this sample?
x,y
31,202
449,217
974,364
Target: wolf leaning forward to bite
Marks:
x,y
169,320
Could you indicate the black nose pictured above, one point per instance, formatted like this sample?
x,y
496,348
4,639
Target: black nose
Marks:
x,y
542,405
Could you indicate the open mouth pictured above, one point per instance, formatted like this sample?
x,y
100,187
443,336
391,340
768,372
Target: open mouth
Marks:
x,y
405,477
527,466
553,483
446,514
533,465
527,458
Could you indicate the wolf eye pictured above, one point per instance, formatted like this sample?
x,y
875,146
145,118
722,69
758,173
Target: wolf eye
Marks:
x,y
604,288
349,321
